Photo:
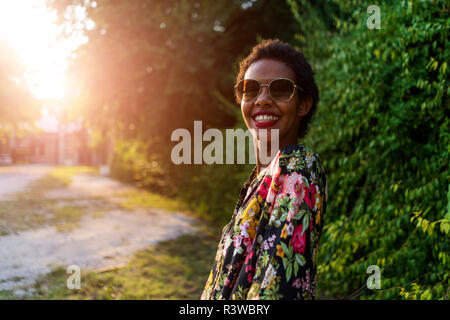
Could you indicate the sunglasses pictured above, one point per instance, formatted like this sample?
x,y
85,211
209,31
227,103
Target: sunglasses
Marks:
x,y
280,89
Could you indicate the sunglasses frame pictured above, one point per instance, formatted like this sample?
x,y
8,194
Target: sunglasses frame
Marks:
x,y
268,86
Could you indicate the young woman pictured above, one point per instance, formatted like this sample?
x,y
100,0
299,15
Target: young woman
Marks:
x,y
268,250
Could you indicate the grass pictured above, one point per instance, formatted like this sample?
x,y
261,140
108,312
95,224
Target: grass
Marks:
x,y
17,216
145,199
58,178
67,218
31,210
172,269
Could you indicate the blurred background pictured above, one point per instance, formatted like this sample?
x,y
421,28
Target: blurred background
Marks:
x,y
90,92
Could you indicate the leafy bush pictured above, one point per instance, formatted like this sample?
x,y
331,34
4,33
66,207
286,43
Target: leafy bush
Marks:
x,y
382,133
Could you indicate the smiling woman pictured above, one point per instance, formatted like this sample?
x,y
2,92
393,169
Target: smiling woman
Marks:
x,y
30,28
268,249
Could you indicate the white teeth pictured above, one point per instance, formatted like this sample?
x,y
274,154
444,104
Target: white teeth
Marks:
x,y
265,118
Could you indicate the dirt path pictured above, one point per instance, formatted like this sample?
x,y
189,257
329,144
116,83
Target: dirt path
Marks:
x,y
14,178
98,242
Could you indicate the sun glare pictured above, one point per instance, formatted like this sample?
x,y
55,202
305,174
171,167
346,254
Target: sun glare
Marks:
x,y
30,28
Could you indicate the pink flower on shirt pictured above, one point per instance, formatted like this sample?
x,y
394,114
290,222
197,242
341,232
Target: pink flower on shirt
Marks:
x,y
294,186
310,198
263,189
298,241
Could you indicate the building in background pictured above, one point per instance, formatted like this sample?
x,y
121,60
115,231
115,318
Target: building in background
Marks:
x,y
69,144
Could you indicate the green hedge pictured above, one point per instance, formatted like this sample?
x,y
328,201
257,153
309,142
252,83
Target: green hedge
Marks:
x,y
382,131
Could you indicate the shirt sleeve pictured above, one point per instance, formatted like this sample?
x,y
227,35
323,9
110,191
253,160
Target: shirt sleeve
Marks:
x,y
295,208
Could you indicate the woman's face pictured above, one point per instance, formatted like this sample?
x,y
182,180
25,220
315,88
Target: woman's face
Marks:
x,y
284,116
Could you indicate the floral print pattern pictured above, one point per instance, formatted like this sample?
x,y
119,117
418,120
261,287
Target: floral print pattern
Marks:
x,y
268,249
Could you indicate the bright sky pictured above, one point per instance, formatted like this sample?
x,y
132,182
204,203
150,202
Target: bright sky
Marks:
x,y
31,30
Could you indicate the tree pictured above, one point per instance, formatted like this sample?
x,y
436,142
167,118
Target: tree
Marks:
x,y
151,67
17,106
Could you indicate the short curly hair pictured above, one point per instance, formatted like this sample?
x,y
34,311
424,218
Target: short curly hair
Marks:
x,y
304,75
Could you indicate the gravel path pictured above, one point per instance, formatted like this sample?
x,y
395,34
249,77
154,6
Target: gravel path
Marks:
x,y
98,242
14,178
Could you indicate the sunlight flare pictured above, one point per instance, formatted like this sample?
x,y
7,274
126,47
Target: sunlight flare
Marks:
x,y
31,29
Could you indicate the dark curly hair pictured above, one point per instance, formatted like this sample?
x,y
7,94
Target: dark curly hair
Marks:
x,y
304,75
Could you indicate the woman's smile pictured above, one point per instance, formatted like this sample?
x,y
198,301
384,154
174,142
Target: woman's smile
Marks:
x,y
265,119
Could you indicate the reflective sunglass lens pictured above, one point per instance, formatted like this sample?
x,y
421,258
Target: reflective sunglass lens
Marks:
x,y
248,89
281,89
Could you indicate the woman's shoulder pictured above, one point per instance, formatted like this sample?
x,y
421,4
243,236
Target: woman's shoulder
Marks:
x,y
297,149
299,160
299,156
303,160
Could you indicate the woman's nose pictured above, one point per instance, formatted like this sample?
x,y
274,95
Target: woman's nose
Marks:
x,y
263,98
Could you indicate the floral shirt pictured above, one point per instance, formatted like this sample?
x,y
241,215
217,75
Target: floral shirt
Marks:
x,y
268,249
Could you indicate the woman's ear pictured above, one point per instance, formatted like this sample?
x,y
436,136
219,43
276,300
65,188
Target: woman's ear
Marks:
x,y
304,106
